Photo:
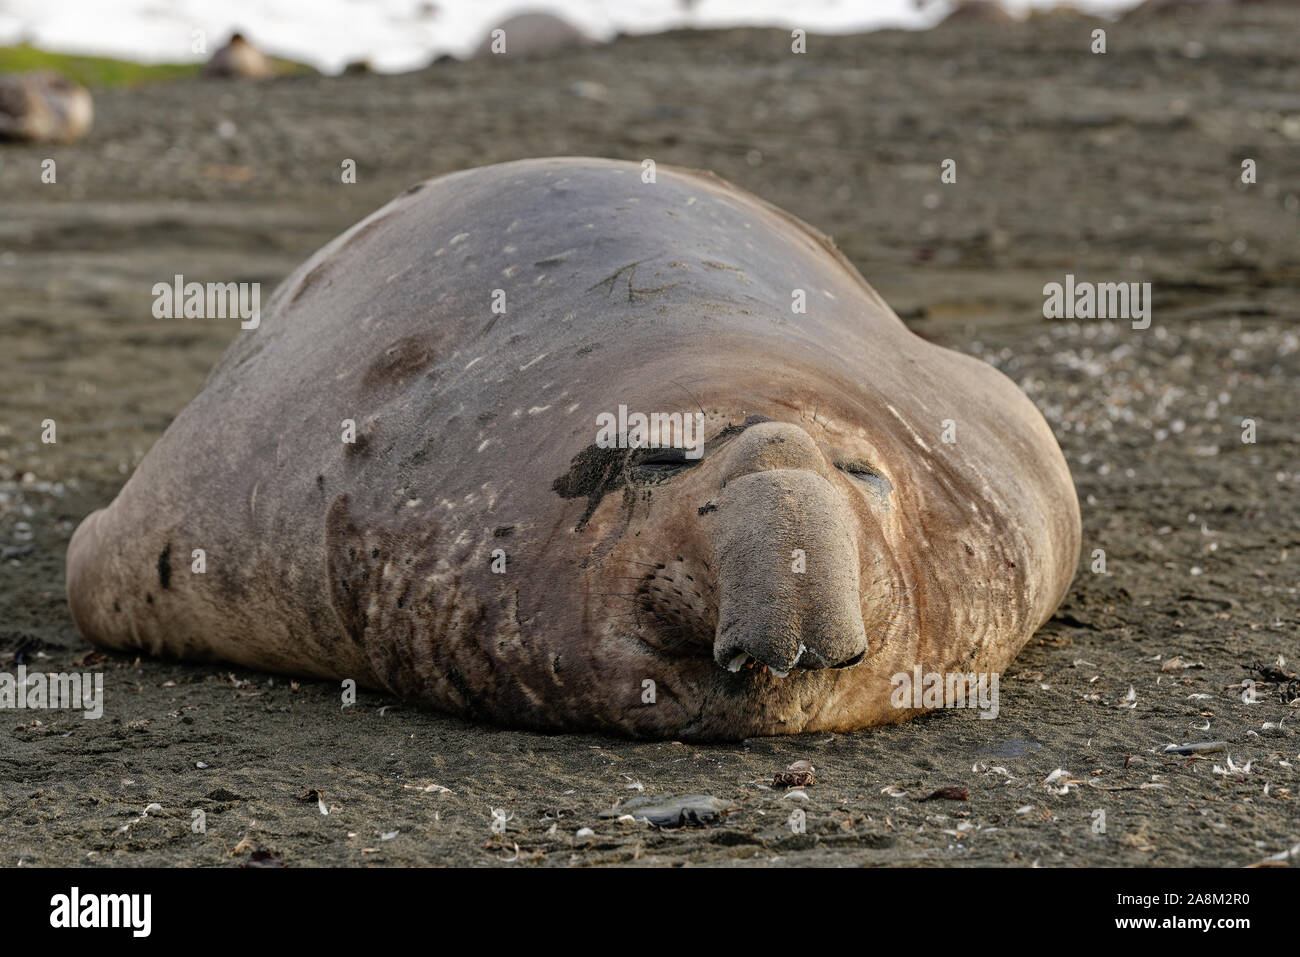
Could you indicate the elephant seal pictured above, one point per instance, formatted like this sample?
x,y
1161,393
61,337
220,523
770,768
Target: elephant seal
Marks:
x,y
43,107
1189,8
532,34
239,58
483,545
978,11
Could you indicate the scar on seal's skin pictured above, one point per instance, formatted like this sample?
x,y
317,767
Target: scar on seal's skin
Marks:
x,y
633,294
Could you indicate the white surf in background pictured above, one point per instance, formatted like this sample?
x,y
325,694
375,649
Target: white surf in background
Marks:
x,y
395,35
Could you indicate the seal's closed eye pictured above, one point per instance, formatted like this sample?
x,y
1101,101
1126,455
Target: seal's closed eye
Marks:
x,y
665,457
867,474
658,464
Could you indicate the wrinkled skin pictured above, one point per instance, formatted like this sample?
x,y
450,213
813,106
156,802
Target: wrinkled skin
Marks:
x,y
476,431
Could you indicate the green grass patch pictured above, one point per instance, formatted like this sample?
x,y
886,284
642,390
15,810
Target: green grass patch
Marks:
x,y
99,71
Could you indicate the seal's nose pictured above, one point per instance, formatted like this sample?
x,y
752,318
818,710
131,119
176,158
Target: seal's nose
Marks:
x,y
765,446
789,592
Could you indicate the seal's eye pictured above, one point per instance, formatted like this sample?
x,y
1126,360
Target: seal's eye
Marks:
x,y
654,465
867,474
859,468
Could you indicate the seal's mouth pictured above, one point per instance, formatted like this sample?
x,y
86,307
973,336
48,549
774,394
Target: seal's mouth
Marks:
x,y
746,662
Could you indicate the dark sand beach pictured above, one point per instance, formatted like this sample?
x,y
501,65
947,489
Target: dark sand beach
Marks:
x,y
1117,167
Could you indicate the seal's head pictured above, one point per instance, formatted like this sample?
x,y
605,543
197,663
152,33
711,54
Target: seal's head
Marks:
x,y
824,539
764,578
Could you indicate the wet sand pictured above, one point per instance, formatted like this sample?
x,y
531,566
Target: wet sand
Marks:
x,y
1123,167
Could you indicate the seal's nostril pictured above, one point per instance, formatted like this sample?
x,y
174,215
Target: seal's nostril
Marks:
x,y
850,662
